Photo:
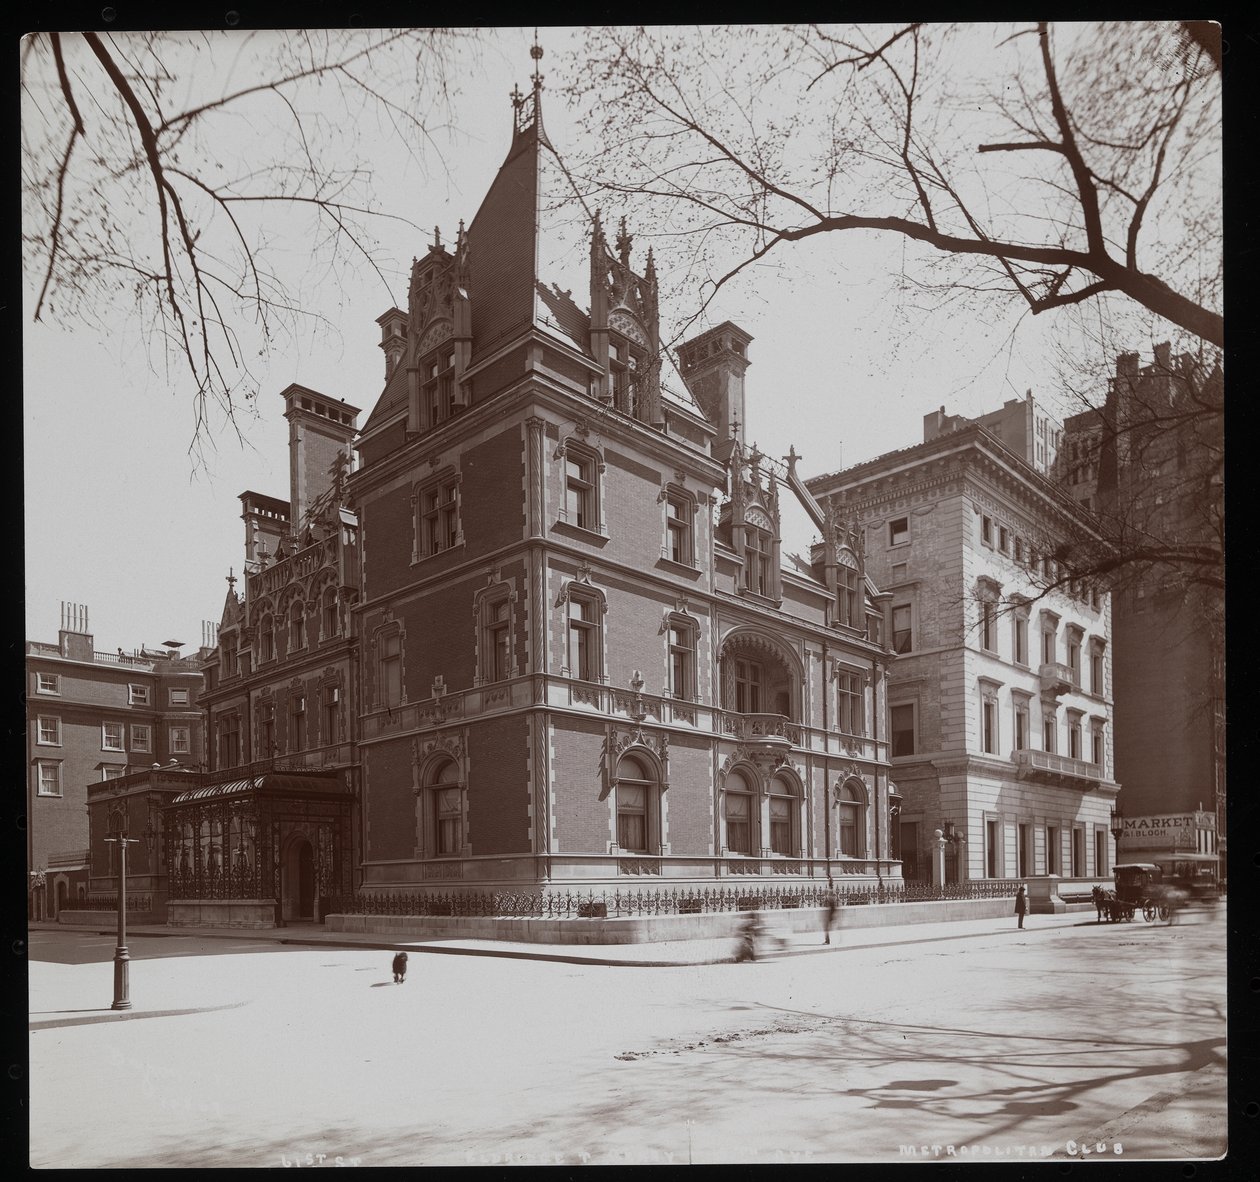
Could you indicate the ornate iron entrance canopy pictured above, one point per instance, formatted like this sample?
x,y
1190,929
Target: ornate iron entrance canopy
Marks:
x,y
225,841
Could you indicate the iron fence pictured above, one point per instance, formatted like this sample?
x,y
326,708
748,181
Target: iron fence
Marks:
x,y
108,903
647,902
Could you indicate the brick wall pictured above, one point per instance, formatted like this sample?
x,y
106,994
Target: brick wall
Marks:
x,y
691,823
492,493
498,786
582,820
388,800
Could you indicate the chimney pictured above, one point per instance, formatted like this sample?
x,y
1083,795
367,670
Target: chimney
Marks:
x,y
1163,356
1127,365
713,366
74,639
393,338
320,428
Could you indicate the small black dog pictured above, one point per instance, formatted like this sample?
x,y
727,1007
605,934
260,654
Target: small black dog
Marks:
x,y
400,967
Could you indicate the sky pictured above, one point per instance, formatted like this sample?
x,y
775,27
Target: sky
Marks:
x,y
122,518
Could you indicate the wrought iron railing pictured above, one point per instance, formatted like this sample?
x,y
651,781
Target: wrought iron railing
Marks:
x,y
108,903
665,901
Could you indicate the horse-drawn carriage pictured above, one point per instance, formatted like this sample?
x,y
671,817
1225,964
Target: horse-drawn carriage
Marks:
x,y
1159,889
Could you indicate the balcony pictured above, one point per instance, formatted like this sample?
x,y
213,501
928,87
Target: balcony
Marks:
x,y
769,732
1060,770
1057,679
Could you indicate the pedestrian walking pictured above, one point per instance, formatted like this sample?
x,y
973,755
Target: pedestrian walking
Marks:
x,y
400,967
1100,901
830,906
1021,904
749,934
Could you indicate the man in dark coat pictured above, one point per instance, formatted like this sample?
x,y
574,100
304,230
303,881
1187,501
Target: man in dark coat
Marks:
x,y
400,967
1021,904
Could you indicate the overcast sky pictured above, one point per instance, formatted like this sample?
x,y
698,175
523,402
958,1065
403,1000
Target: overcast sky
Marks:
x,y
118,517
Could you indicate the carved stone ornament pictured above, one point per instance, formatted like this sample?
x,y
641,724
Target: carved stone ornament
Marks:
x,y
628,326
433,336
758,517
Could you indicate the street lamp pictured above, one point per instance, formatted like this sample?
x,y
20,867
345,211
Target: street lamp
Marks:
x,y
122,961
1117,826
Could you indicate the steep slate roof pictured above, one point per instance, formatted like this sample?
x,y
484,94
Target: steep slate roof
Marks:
x,y
529,260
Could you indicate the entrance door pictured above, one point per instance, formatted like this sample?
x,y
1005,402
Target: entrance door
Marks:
x,y
306,881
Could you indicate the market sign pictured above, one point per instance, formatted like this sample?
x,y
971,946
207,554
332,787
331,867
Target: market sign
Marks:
x,y
1168,830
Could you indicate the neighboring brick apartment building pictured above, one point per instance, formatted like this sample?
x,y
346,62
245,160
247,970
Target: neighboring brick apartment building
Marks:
x,y
93,716
1000,705
267,835
1149,462
584,663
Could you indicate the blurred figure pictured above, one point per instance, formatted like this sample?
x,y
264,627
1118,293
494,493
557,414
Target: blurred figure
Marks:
x,y
749,936
1021,904
1100,901
831,904
400,967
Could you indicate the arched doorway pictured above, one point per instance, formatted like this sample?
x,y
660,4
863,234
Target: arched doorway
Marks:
x,y
63,894
297,888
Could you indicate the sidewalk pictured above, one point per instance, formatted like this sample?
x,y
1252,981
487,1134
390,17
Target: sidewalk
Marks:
x,y
666,954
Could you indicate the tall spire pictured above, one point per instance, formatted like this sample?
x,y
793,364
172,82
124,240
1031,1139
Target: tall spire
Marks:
x,y
535,51
527,108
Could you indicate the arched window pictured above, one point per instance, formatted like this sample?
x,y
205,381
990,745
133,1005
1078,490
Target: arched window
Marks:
x,y
266,639
740,812
443,805
785,817
330,618
638,802
851,823
297,625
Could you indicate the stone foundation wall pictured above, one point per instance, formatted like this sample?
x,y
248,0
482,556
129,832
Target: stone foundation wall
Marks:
x,y
650,929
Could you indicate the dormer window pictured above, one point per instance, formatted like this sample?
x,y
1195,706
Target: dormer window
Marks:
x,y
757,562
626,363
438,375
848,603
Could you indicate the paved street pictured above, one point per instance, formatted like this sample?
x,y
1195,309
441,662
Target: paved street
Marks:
x,y
986,1040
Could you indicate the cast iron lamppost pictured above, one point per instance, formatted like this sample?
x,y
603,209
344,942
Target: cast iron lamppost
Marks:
x,y
122,961
1117,828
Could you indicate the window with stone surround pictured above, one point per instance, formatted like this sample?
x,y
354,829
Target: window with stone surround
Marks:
x,y
739,812
851,826
112,736
899,531
48,683
849,713
48,733
638,803
680,515
682,634
437,516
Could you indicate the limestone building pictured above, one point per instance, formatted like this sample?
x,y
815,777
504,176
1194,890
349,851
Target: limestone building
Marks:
x,y
1000,699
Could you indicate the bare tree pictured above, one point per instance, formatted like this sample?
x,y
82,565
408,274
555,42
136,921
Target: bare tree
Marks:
x,y
195,178
1044,164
